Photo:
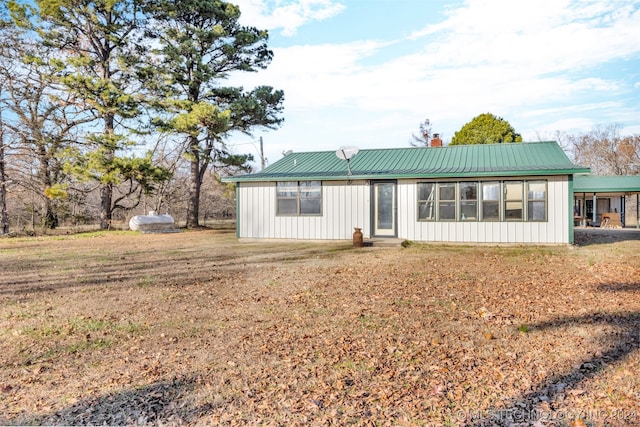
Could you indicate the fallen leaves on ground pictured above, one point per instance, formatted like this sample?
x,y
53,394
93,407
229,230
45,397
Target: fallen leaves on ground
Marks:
x,y
197,328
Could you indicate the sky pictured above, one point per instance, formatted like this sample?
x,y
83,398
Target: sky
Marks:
x,y
366,73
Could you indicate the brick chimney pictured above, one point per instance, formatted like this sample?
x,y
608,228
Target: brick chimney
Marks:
x,y
436,141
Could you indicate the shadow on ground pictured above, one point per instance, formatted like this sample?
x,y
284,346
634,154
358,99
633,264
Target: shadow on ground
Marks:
x,y
542,407
154,404
172,401
595,236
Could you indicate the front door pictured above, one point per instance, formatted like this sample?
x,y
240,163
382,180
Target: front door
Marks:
x,y
384,208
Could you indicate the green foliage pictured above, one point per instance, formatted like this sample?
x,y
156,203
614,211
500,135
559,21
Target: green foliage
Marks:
x,y
42,121
201,116
97,67
229,190
112,60
196,55
199,43
56,191
485,129
21,14
98,166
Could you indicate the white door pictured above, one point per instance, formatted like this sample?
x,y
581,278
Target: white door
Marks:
x,y
384,209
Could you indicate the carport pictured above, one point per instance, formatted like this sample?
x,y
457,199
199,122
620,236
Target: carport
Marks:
x,y
602,201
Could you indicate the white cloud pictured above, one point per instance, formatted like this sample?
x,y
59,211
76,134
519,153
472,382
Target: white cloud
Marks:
x,y
549,34
316,76
466,60
287,15
513,59
581,108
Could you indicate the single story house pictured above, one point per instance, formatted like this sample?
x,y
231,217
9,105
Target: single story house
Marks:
x,y
495,193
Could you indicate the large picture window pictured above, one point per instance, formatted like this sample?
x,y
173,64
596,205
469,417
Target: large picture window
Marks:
x,y
299,198
426,201
536,201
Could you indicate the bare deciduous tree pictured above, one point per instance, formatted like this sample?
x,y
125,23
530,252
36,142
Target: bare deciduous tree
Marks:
x,y
4,217
41,121
606,152
423,139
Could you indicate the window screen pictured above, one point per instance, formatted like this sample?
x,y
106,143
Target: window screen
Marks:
x,y
426,201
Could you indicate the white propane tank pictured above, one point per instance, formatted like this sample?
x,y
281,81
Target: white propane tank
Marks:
x,y
151,222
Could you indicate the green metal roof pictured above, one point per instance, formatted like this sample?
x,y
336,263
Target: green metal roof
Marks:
x,y
606,184
460,161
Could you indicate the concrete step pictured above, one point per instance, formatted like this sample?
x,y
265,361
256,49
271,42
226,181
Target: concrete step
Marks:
x,y
383,242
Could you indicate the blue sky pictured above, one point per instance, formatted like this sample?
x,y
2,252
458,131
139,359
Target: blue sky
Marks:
x,y
368,72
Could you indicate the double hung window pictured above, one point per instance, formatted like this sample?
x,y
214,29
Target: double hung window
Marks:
x,y
447,201
513,203
536,201
490,201
468,201
426,201
299,198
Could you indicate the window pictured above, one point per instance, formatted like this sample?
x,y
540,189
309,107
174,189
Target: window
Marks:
x,y
536,201
310,198
484,201
468,201
447,201
426,201
513,203
491,201
299,198
287,198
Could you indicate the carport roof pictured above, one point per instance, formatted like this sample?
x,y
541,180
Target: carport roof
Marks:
x,y
587,183
461,161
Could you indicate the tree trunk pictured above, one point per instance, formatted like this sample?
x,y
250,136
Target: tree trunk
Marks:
x,y
50,220
50,215
4,217
106,190
195,183
106,194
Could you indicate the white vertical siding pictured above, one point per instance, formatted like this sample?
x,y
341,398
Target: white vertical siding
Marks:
x,y
344,206
554,230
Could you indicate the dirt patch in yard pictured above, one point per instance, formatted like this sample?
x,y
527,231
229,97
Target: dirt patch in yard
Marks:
x,y
198,328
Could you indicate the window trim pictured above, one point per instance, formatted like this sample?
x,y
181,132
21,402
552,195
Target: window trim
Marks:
x,y
298,198
454,200
433,201
460,216
544,200
483,200
507,200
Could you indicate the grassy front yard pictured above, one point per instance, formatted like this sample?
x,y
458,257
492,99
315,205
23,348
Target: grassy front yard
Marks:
x,y
196,328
